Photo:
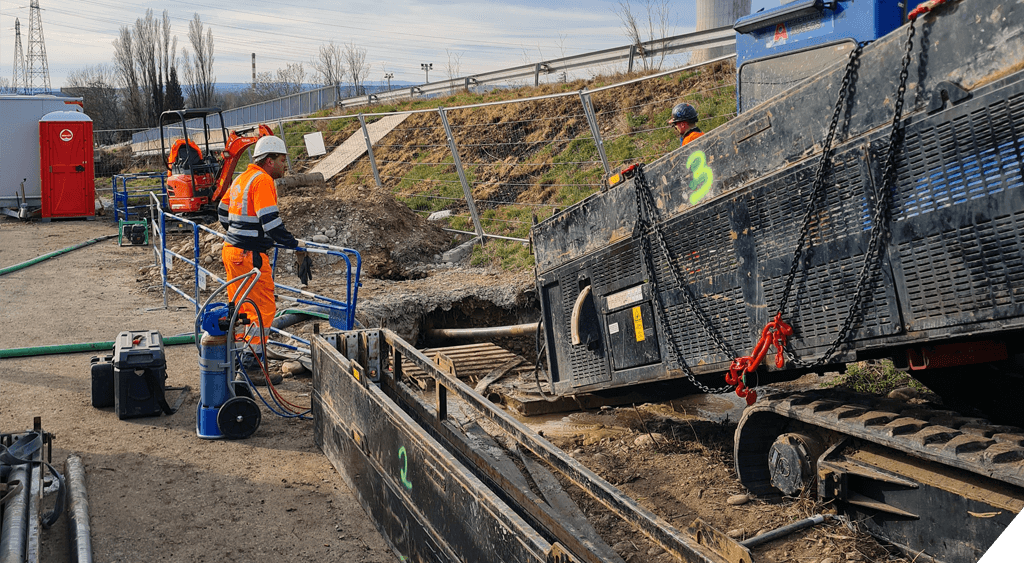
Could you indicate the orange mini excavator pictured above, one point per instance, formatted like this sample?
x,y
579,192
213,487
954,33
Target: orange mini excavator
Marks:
x,y
199,176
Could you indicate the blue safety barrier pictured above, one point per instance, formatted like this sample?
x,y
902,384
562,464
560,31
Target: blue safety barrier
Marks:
x,y
127,187
341,312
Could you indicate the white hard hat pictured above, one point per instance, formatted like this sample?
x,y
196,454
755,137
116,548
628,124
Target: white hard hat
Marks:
x,y
269,145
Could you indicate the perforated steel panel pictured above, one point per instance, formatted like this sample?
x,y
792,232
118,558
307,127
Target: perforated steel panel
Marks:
x,y
953,257
950,163
587,366
778,205
822,298
958,211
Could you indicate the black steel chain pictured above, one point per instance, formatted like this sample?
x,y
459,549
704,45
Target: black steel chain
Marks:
x,y
880,218
824,164
646,221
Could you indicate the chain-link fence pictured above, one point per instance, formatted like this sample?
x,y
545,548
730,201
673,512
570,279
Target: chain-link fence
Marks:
x,y
488,169
656,53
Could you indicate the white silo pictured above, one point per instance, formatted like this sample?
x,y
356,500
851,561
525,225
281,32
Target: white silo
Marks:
x,y
717,13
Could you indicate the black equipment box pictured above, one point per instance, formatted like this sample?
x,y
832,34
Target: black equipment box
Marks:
x,y
102,382
139,374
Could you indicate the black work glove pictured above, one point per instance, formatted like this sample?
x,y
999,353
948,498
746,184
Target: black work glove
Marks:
x,y
303,266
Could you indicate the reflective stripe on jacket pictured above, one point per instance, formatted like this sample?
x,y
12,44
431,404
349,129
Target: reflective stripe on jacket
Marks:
x,y
248,212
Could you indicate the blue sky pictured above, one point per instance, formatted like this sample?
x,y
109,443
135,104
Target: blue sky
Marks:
x,y
397,34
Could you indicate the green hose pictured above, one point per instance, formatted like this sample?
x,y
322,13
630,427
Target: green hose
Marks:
x,y
86,347
17,267
303,312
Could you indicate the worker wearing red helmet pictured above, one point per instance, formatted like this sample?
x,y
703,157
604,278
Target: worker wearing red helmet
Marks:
x,y
249,214
684,119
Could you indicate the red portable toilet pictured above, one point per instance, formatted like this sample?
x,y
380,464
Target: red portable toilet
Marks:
x,y
66,170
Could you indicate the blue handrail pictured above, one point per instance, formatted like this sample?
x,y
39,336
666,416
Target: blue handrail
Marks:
x,y
341,312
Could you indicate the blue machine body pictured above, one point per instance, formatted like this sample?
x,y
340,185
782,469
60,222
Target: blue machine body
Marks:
x,y
214,387
780,47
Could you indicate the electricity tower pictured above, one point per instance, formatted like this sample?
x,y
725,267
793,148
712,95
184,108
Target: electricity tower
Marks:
x,y
19,82
38,72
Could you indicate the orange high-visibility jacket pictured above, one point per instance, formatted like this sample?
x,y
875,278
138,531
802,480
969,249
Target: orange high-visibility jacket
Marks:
x,y
248,211
690,136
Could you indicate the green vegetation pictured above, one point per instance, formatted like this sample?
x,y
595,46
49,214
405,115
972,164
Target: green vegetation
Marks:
x,y
878,378
522,159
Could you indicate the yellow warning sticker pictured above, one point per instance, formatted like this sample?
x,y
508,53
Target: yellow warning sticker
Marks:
x,y
355,372
638,324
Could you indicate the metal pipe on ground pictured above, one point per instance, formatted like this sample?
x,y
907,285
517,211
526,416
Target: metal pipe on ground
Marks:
x,y
528,329
79,529
784,531
15,521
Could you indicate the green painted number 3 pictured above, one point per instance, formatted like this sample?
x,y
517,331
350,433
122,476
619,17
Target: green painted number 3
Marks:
x,y
405,467
700,185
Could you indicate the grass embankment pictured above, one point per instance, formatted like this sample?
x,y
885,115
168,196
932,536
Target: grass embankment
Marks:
x,y
522,159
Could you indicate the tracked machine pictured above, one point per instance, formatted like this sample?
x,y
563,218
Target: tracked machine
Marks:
x,y
196,175
867,202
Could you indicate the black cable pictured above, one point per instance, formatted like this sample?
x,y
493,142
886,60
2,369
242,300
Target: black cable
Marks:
x,y
541,351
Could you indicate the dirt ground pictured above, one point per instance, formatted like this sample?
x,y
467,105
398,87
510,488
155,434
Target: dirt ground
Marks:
x,y
157,492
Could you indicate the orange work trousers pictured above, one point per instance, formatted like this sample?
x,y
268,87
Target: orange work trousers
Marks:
x,y
238,262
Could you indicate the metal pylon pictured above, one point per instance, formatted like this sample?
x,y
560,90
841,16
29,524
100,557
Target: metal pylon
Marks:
x,y
20,81
38,71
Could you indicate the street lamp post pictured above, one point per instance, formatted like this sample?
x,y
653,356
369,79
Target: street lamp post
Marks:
x,y
388,76
427,67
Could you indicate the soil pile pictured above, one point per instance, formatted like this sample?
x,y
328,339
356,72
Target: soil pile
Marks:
x,y
391,238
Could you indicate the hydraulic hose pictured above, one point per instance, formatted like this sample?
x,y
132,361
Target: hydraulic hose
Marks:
x,y
486,332
39,259
85,347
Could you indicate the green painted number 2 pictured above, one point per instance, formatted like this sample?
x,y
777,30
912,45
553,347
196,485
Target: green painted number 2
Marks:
x,y
700,185
402,455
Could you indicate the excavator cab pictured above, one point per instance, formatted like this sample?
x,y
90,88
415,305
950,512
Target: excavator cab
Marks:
x,y
200,155
187,144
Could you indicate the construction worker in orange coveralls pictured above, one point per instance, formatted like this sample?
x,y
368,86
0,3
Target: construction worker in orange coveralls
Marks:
x,y
684,119
249,214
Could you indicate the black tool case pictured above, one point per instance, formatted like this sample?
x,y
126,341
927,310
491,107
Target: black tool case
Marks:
x,y
140,374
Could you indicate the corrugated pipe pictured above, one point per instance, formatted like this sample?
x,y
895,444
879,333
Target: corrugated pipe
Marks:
x,y
39,259
85,347
528,329
79,536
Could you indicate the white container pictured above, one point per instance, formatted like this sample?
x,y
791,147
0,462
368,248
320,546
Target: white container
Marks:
x,y
19,144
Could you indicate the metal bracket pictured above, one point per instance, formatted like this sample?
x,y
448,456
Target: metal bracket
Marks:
x,y
946,91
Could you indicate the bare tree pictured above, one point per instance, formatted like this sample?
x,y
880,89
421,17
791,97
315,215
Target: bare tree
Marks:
x,y
128,78
168,58
356,67
6,87
198,64
646,21
146,42
329,65
285,82
454,67
97,86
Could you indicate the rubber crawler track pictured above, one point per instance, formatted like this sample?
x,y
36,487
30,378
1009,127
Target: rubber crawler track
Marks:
x,y
946,437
